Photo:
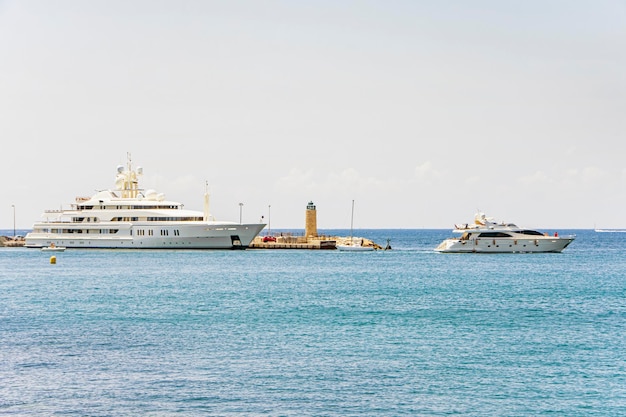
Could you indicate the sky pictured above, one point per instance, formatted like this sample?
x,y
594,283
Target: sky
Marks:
x,y
422,112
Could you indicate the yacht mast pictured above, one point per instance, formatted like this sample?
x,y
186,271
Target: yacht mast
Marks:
x,y
206,201
351,221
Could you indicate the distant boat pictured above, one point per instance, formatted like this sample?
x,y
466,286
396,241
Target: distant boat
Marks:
x,y
53,248
354,245
610,230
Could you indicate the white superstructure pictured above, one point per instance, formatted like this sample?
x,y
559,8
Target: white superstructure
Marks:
x,y
486,236
131,218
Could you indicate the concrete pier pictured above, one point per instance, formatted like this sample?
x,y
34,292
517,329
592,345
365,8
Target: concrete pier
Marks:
x,y
304,242
282,245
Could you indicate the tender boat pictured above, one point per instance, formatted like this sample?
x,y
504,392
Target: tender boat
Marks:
x,y
487,236
53,248
129,217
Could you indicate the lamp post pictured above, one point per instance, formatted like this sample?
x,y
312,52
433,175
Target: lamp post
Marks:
x,y
240,208
13,205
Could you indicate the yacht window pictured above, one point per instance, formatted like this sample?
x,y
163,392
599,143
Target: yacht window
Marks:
x,y
494,234
531,232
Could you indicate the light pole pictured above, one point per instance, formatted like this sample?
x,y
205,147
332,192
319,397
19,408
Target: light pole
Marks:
x,y
240,208
13,205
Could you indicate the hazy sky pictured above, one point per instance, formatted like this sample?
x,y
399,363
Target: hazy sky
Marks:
x,y
420,111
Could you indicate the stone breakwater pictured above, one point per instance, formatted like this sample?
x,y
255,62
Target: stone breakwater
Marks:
x,y
12,242
302,242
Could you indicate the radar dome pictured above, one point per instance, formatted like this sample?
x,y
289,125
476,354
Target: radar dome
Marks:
x,y
120,169
151,195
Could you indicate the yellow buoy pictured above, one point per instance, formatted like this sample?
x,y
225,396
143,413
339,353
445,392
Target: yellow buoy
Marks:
x,y
53,259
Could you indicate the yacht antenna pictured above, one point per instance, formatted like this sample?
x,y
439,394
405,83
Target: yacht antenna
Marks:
x,y
130,179
206,201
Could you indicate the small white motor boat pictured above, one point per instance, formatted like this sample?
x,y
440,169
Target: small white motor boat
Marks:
x,y
53,248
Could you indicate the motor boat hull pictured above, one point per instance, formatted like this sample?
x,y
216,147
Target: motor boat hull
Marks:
x,y
504,245
355,248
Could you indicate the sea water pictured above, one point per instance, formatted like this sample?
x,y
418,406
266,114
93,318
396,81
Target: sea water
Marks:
x,y
319,333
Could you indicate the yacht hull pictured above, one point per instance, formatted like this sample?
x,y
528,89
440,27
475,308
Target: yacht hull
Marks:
x,y
129,236
504,245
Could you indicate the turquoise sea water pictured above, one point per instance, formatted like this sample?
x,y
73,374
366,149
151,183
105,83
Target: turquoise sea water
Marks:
x,y
325,333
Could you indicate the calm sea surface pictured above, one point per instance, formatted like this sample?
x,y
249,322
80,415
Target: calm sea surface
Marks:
x,y
321,333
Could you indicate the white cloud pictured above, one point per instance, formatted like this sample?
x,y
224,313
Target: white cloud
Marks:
x,y
471,180
593,175
346,179
426,173
535,179
296,179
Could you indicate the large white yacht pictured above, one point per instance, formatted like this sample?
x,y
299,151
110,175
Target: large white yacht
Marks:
x,y
487,236
131,218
